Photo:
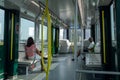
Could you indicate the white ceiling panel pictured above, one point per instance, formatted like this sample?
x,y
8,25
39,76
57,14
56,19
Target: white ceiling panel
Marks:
x,y
64,9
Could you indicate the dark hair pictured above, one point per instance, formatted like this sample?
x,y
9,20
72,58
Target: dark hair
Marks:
x,y
30,41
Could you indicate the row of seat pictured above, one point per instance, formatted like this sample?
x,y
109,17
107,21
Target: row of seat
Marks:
x,y
66,46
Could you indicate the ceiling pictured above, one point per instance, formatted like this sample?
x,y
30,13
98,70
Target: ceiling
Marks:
x,y
62,9
90,11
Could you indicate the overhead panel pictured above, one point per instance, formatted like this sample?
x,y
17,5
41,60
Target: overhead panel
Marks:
x,y
64,9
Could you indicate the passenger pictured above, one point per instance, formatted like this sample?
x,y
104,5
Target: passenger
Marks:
x,y
91,45
31,50
90,48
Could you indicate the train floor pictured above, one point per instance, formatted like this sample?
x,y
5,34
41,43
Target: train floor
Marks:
x,y
62,68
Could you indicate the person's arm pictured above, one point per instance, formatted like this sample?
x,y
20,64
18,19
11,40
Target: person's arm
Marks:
x,y
38,52
26,56
91,47
78,53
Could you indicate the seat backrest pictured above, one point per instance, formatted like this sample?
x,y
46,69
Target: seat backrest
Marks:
x,y
21,56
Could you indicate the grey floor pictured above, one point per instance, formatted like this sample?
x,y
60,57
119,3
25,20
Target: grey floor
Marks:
x,y
62,68
64,71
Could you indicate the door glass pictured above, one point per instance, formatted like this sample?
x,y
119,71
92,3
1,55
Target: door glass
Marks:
x,y
113,28
1,26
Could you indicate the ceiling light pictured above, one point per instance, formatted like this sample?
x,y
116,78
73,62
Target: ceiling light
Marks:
x,y
35,3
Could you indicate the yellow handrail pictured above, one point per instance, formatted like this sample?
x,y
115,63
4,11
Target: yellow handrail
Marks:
x,y
103,30
12,29
46,14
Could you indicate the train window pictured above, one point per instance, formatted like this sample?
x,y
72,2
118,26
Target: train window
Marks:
x,y
113,28
2,13
44,32
26,29
112,22
87,33
61,33
71,36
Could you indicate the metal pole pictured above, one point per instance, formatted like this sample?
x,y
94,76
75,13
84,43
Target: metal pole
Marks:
x,y
75,37
36,36
98,72
82,39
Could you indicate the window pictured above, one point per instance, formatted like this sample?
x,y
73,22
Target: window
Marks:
x,y
2,13
44,33
87,33
26,29
72,35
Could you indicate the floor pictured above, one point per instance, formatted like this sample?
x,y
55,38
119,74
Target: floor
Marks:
x,y
64,71
63,68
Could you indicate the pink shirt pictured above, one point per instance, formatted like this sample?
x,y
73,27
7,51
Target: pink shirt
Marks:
x,y
30,51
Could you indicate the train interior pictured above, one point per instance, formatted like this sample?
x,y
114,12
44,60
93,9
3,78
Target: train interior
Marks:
x,y
61,30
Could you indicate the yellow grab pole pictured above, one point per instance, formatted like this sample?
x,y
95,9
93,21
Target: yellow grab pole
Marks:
x,y
12,29
46,14
103,30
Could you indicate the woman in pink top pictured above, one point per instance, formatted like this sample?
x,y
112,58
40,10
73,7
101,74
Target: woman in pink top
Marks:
x,y
31,50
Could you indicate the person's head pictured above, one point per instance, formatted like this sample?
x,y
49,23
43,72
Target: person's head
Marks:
x,y
90,39
30,41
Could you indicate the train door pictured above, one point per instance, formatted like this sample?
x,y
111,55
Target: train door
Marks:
x,y
2,15
108,40
11,42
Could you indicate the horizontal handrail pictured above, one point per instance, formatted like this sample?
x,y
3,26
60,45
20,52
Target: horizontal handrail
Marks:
x,y
98,72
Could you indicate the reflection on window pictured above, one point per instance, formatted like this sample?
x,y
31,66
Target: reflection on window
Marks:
x,y
44,33
26,29
2,13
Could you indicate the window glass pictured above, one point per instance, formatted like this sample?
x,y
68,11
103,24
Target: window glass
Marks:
x,y
72,35
87,33
112,22
113,28
26,29
44,33
2,13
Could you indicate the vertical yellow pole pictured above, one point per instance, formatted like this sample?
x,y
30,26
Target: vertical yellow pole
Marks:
x,y
46,13
103,30
12,29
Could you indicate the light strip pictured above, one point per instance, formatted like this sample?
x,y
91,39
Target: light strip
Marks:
x,y
35,3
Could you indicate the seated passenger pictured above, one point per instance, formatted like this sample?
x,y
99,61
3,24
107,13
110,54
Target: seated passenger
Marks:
x,y
90,48
31,50
91,45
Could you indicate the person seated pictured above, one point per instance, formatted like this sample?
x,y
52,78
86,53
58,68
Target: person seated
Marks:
x,y
90,48
91,45
31,50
